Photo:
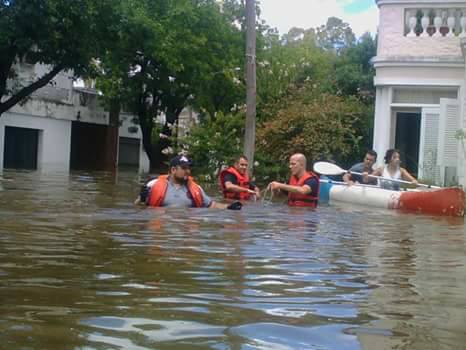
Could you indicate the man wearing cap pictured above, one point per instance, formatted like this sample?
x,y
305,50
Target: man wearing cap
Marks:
x,y
178,189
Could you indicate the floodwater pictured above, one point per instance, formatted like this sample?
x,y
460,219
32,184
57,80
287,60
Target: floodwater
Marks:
x,y
82,268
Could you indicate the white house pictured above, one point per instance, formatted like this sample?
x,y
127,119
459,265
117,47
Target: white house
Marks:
x,y
420,86
62,127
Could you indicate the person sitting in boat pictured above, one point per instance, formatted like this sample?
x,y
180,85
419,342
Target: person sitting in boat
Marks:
x,y
393,171
178,189
303,186
365,168
235,182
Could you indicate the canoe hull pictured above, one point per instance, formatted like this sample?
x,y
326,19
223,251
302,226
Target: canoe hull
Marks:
x,y
447,201
444,202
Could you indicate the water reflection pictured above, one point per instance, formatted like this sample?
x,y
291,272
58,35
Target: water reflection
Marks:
x,y
80,267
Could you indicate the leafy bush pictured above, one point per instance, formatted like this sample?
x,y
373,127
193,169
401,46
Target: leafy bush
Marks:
x,y
319,125
215,142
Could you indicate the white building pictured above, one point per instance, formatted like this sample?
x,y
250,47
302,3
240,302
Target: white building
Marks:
x,y
420,86
62,127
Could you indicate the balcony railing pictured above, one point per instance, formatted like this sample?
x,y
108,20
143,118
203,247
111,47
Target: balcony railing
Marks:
x,y
435,22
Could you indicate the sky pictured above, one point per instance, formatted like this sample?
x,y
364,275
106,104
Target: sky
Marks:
x,y
362,15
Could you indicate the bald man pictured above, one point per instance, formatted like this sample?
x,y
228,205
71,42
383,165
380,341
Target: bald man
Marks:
x,y
303,186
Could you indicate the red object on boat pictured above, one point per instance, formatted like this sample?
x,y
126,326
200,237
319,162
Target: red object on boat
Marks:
x,y
446,201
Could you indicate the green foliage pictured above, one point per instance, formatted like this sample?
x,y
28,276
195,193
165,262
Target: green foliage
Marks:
x,y
172,53
319,125
354,74
287,63
315,96
335,35
65,35
215,142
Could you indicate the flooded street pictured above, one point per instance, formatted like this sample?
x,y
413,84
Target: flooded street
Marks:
x,y
82,268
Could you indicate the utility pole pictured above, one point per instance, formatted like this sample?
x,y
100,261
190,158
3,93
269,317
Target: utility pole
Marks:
x,y
250,134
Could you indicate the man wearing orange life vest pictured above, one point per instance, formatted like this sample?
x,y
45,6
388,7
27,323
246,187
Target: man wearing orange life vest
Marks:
x,y
235,183
178,189
303,186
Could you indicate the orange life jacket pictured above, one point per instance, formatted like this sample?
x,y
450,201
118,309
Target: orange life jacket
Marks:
x,y
243,181
159,189
303,200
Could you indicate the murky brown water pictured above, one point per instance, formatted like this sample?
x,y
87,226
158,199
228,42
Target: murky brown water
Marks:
x,y
82,268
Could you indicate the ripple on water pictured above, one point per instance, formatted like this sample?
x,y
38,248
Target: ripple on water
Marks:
x,y
284,337
154,331
73,248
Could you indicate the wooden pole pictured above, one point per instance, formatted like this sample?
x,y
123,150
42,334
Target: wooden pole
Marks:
x,y
250,133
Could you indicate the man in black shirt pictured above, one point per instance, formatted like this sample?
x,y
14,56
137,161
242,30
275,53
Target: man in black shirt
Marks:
x,y
235,182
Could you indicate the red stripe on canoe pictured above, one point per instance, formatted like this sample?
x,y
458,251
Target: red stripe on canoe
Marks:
x,y
446,201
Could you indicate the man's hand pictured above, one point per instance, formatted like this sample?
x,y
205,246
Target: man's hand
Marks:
x,y
365,177
235,206
274,186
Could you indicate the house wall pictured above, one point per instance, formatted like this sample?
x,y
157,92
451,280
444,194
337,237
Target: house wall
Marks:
x,y
54,139
382,122
52,109
419,75
462,146
411,62
392,41
126,131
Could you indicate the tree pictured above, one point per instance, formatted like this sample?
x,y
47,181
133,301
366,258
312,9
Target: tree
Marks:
x,y
295,58
354,76
320,125
334,35
167,54
61,34
353,70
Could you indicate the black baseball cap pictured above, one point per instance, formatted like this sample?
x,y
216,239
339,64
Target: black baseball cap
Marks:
x,y
181,160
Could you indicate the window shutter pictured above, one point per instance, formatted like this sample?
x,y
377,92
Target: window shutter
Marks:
x,y
447,153
428,168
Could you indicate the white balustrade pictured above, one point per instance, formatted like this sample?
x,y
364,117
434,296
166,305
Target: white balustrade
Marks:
x,y
425,22
435,22
412,21
451,23
463,24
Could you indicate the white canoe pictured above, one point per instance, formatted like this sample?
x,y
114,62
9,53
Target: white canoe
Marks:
x,y
445,201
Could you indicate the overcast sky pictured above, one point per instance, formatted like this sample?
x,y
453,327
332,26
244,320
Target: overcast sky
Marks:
x,y
362,15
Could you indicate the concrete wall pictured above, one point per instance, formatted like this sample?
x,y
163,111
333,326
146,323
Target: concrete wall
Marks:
x,y
462,146
392,41
424,61
382,122
126,131
54,139
420,75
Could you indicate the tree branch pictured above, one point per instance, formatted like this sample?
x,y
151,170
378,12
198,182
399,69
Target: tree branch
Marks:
x,y
5,68
28,90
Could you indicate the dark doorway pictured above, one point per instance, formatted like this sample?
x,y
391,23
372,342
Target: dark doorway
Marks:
x,y
128,153
92,147
407,138
20,148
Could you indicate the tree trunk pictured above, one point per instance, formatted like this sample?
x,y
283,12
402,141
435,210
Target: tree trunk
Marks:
x,y
250,133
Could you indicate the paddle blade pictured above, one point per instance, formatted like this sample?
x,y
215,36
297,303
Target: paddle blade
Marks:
x,y
326,168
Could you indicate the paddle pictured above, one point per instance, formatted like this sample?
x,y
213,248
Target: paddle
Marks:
x,y
347,184
326,168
